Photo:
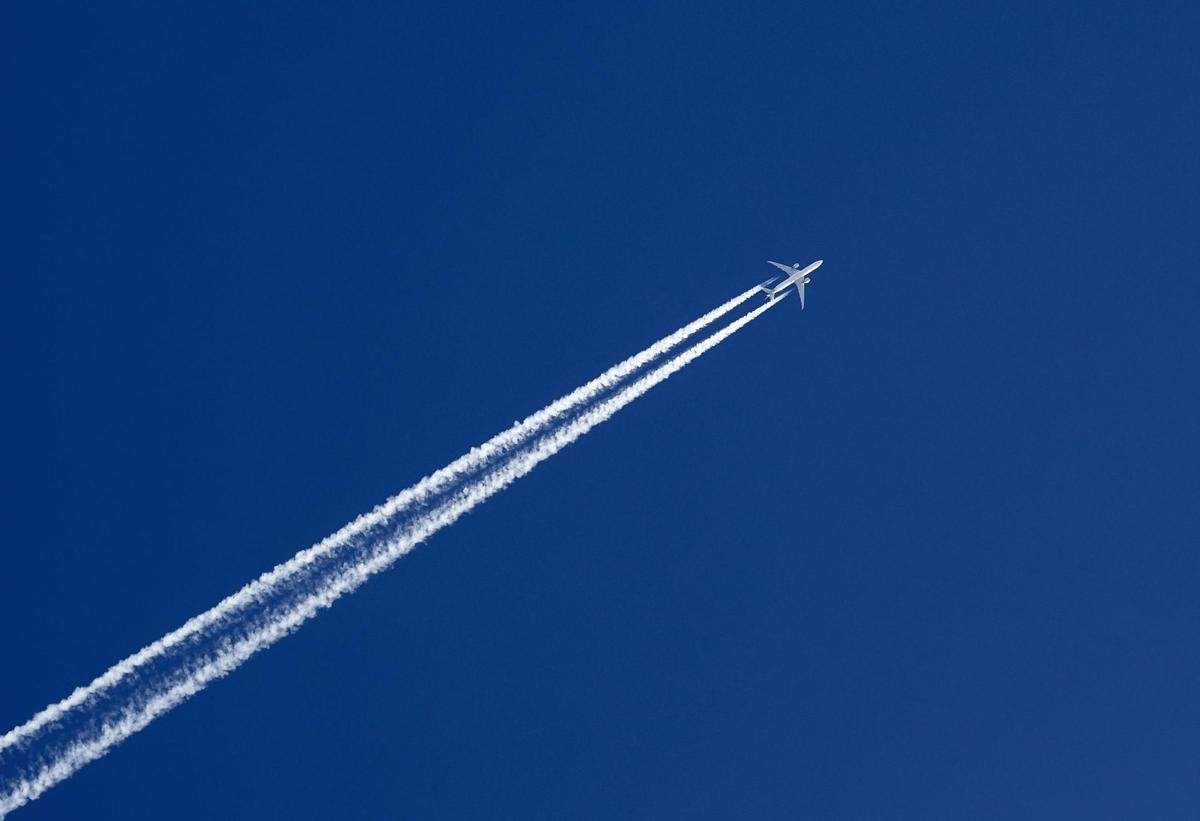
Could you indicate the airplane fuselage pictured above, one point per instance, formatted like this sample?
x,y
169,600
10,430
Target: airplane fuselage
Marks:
x,y
794,275
783,286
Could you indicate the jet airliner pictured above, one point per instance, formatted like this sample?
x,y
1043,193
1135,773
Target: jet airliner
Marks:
x,y
795,276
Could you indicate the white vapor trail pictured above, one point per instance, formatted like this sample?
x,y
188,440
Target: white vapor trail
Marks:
x,y
150,702
435,483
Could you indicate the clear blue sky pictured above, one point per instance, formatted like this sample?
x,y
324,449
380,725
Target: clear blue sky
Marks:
x,y
925,550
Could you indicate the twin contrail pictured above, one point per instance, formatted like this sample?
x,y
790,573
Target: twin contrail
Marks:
x,y
426,488
378,541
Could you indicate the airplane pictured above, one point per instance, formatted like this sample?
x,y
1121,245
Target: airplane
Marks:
x,y
794,275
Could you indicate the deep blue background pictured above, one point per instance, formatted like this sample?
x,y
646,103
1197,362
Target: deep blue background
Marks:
x,y
926,550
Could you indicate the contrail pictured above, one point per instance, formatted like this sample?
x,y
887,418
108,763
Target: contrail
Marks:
x,y
59,764
428,487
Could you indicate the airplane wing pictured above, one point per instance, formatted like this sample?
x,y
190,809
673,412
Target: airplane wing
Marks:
x,y
787,269
800,290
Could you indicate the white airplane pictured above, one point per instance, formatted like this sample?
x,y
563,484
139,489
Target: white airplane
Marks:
x,y
794,275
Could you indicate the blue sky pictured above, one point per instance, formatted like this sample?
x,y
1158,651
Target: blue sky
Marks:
x,y
925,550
